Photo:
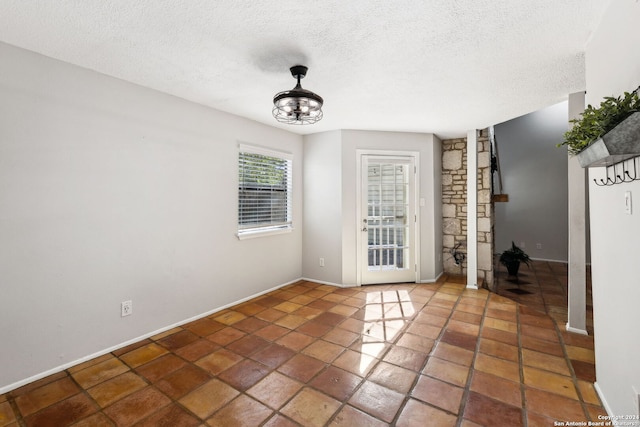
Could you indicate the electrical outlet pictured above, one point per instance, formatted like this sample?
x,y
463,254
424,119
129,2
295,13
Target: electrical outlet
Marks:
x,y
538,245
126,308
321,262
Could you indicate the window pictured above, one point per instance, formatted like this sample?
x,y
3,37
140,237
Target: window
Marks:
x,y
264,191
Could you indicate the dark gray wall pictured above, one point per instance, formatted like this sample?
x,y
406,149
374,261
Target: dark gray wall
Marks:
x,y
534,174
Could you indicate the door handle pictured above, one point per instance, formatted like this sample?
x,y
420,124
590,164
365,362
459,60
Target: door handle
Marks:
x,y
364,228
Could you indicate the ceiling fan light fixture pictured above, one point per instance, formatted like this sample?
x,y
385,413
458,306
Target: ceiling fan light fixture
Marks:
x,y
297,106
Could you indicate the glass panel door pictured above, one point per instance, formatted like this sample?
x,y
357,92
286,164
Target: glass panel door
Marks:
x,y
389,203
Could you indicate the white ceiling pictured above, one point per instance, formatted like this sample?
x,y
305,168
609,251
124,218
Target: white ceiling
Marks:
x,y
404,65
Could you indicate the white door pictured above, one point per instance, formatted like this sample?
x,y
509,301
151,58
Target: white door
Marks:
x,y
388,223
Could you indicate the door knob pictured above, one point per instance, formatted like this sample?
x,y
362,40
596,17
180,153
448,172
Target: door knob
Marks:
x,y
364,228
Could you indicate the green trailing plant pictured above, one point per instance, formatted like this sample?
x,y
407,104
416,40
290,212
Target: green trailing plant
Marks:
x,y
596,122
511,259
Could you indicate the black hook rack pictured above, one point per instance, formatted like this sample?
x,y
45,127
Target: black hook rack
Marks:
x,y
619,173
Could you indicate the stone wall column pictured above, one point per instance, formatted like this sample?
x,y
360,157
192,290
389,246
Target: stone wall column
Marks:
x,y
454,207
454,200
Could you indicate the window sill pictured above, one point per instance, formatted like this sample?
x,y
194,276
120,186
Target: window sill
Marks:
x,y
263,233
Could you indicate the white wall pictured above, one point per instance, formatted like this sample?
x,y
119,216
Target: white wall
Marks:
x,y
430,187
431,214
613,67
322,227
331,226
110,191
534,175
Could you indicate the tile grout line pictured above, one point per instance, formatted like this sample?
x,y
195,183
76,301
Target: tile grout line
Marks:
x,y
177,401
407,396
307,384
574,377
327,365
523,396
276,411
16,412
467,388
150,384
211,375
364,378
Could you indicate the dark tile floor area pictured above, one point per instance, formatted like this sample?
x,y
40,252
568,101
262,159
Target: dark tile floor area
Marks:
x,y
315,355
543,287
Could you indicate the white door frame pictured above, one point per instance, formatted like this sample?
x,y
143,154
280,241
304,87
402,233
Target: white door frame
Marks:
x,y
359,215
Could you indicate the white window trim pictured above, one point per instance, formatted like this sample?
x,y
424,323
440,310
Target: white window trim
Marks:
x,y
263,231
272,230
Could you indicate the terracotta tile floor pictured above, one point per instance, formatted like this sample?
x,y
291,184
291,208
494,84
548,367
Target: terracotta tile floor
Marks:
x,y
542,286
315,355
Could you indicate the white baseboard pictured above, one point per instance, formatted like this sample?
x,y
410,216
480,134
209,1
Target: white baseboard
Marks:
x,y
322,282
432,280
68,365
550,260
576,330
605,404
343,285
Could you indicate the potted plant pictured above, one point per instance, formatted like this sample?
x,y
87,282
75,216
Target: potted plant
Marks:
x,y
608,134
511,258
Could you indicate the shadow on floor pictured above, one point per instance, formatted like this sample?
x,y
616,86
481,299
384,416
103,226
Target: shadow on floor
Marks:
x,y
543,287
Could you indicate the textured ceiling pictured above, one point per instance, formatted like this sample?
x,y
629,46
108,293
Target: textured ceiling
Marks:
x,y
405,65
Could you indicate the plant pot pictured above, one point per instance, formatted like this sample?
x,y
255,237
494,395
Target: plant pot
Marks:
x,y
513,268
619,144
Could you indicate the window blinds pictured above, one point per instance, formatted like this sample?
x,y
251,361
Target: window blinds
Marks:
x,y
264,191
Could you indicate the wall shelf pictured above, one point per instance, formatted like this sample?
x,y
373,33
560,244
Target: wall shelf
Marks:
x,y
619,144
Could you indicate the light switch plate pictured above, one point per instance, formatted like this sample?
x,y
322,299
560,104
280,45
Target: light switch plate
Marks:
x,y
627,202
